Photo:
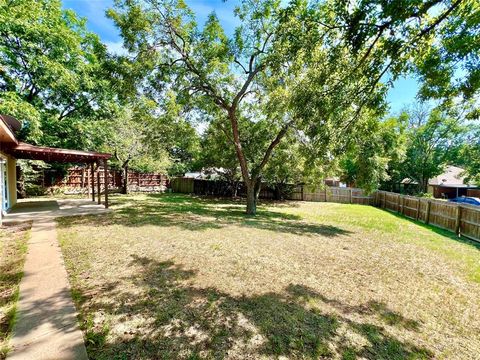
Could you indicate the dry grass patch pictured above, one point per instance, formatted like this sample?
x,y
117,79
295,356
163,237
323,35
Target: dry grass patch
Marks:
x,y
13,247
171,276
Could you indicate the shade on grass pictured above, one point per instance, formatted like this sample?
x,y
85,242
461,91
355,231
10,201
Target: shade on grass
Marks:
x,y
173,276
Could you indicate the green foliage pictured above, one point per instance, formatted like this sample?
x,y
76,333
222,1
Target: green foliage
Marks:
x,y
432,136
52,74
297,88
375,153
312,69
450,67
125,138
469,154
29,176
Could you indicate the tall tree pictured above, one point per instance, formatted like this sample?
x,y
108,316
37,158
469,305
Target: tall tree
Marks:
x,y
432,136
314,67
53,73
376,154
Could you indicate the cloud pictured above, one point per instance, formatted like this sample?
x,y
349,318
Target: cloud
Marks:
x,y
116,47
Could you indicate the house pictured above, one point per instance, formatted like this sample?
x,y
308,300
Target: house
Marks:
x,y
8,176
12,149
450,184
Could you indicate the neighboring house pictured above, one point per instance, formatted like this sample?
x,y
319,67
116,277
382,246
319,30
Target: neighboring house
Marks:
x,y
448,185
12,149
206,174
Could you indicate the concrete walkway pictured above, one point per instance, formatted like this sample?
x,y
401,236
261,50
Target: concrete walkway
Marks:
x,y
47,325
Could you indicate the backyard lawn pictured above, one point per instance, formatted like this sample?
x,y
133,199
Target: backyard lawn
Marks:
x,y
174,276
13,247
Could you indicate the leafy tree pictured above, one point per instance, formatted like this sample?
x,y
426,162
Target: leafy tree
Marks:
x,y
468,154
287,167
53,74
126,139
473,169
168,130
217,156
313,67
432,136
449,68
375,155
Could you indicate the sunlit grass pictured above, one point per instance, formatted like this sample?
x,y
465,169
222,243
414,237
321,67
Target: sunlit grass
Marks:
x,y
13,247
175,276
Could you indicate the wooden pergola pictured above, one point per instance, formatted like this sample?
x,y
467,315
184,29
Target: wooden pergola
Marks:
x,y
32,152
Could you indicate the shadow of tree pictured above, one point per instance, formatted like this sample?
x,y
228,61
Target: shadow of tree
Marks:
x,y
197,214
165,316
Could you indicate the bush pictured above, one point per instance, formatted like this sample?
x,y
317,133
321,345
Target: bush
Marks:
x,y
32,190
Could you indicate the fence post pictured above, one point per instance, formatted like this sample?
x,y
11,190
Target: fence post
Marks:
x,y
403,205
418,208
350,195
302,191
399,199
457,220
427,217
384,203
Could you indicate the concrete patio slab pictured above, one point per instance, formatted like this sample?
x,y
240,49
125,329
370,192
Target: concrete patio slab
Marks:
x,y
39,209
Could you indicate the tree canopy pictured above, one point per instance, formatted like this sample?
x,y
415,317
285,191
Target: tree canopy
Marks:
x,y
309,67
53,74
295,90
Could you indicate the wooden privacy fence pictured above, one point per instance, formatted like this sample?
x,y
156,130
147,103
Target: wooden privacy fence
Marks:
x,y
291,192
332,194
78,179
460,219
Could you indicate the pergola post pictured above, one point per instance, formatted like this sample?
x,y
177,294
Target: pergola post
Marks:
x,y
99,189
105,169
92,175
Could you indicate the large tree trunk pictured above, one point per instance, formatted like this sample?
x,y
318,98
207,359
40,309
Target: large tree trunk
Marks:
x,y
253,190
252,177
425,186
251,199
125,180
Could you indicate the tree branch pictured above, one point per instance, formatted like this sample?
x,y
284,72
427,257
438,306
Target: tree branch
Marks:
x,y
281,134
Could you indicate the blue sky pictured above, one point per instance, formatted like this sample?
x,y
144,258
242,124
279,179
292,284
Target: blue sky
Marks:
x,y
401,95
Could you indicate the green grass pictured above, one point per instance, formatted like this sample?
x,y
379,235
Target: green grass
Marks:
x,y
174,276
404,229
13,247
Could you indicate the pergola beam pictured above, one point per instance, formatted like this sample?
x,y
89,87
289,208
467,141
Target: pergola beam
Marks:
x,y
99,189
92,175
105,169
